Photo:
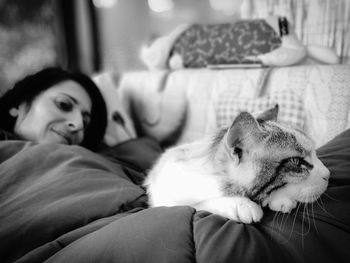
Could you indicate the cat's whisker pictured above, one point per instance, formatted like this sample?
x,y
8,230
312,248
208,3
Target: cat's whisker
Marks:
x,y
304,208
330,197
282,219
294,220
322,206
281,216
277,228
302,219
278,216
308,220
303,234
313,217
286,215
275,225
276,220
302,226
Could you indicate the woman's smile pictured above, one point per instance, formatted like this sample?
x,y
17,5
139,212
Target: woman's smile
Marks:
x,y
66,137
57,115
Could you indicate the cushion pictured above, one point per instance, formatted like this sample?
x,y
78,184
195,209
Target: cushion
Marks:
x,y
230,43
120,125
291,109
325,91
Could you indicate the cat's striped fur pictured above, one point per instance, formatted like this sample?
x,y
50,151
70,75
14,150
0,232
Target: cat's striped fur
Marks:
x,y
256,162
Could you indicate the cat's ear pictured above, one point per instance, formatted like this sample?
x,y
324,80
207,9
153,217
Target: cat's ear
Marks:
x,y
235,154
243,124
269,115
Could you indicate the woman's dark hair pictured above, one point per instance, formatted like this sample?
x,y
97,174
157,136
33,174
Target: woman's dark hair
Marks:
x,y
28,88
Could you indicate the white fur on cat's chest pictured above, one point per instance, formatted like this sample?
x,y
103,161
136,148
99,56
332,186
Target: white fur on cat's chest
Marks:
x,y
198,184
188,184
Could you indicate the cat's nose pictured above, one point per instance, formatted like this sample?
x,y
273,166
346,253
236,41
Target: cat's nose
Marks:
x,y
326,174
322,170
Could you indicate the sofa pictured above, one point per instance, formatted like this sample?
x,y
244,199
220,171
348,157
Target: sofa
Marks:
x,y
178,106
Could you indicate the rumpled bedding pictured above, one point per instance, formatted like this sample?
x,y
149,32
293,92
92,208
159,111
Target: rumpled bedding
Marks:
x,y
67,204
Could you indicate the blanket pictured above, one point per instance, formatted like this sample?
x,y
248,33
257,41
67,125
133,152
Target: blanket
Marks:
x,y
63,203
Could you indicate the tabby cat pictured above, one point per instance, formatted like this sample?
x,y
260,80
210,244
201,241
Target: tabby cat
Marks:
x,y
256,162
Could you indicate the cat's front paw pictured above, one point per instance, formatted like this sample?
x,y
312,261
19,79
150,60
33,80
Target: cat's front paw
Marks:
x,y
248,212
240,209
282,204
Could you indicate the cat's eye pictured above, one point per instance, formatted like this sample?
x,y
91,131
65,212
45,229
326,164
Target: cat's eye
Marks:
x,y
300,162
295,160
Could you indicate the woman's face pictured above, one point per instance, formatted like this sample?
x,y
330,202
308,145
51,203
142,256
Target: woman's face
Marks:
x,y
59,114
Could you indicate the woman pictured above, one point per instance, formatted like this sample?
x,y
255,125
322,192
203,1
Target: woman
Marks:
x,y
54,106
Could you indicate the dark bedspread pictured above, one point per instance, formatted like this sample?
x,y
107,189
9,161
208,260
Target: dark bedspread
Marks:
x,y
66,204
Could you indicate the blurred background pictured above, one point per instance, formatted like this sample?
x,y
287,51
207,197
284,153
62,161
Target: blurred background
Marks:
x,y
97,35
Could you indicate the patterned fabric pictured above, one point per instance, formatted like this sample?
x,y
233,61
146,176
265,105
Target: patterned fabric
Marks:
x,y
325,91
203,45
291,109
337,114
320,22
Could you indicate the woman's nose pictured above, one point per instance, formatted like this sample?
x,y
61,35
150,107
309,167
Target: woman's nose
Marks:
x,y
75,122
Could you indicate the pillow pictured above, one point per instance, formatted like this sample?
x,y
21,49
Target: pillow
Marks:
x,y
120,125
291,109
270,41
157,102
229,43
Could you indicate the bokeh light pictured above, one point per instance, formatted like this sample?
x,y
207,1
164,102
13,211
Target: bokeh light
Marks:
x,y
161,5
104,3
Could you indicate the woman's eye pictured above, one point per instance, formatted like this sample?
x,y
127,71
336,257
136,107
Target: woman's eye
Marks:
x,y
64,105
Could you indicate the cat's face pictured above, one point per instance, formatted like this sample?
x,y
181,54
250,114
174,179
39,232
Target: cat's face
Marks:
x,y
265,156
